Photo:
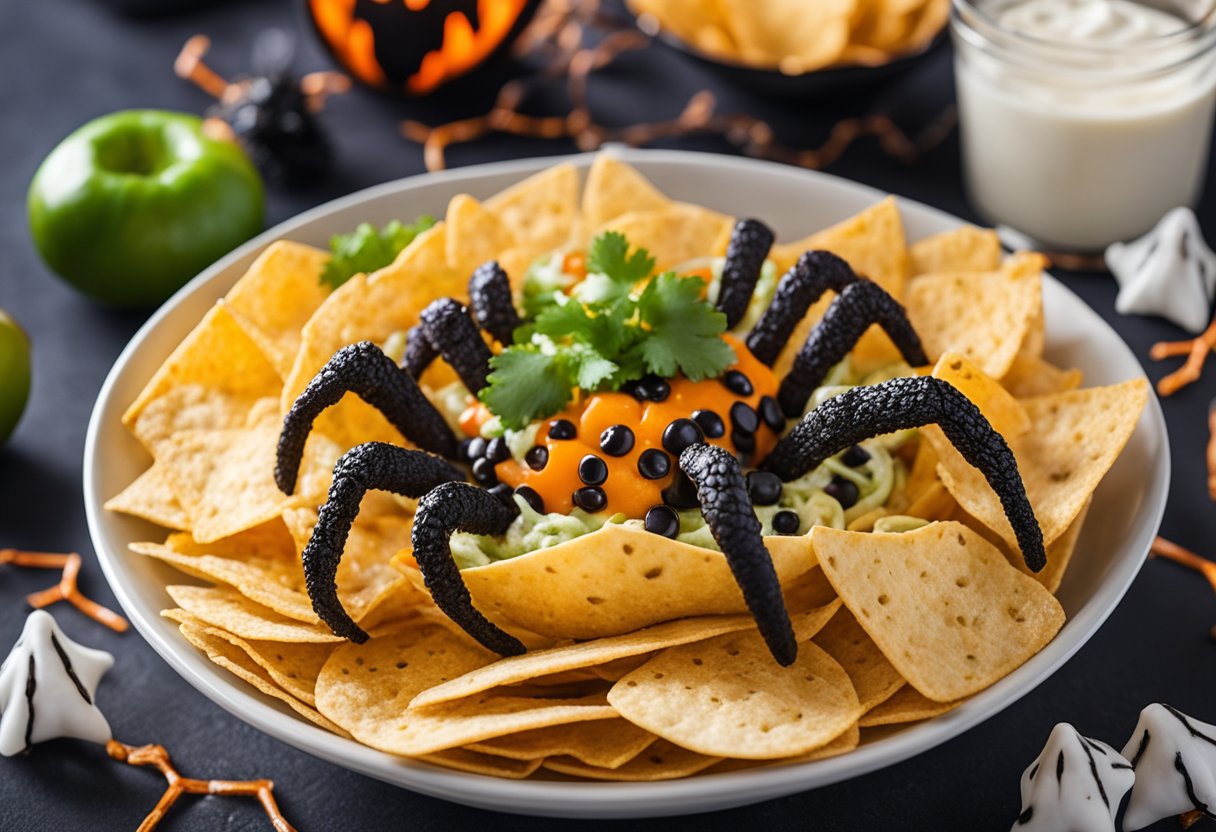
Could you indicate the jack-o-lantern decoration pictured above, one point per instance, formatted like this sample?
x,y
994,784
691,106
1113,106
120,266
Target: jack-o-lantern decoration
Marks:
x,y
414,46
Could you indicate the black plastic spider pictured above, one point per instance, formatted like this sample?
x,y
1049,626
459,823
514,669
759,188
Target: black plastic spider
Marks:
x,y
704,475
270,112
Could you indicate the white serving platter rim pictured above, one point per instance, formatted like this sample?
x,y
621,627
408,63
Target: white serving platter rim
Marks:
x,y
1072,327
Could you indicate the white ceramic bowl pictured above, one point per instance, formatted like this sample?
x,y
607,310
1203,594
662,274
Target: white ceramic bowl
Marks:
x,y
1125,516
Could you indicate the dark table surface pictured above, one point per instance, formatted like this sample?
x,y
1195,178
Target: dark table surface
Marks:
x,y
65,61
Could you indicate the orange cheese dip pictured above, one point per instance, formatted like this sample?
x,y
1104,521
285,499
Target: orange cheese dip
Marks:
x,y
629,492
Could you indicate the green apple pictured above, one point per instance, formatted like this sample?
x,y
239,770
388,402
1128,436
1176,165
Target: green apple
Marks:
x,y
132,205
14,374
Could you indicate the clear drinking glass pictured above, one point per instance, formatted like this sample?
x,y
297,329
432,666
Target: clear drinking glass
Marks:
x,y
1078,142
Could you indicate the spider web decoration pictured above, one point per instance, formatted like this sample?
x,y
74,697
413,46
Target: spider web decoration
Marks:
x,y
66,589
557,36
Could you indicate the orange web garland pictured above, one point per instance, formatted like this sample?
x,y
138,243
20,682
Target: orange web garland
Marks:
x,y
557,32
66,589
1196,351
157,757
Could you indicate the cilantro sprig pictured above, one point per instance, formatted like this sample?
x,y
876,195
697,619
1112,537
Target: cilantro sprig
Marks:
x,y
617,325
367,248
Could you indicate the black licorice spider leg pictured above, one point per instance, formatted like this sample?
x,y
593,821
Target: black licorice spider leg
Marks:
x,y
815,273
492,308
904,403
372,466
728,512
451,331
845,321
362,369
453,507
750,241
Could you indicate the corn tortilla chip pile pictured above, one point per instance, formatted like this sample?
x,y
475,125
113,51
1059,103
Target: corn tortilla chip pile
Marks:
x,y
796,36
643,661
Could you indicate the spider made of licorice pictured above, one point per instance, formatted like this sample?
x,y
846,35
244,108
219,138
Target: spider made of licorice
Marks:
x,y
684,453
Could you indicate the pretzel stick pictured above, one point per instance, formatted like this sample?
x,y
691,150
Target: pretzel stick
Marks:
x,y
66,589
1172,551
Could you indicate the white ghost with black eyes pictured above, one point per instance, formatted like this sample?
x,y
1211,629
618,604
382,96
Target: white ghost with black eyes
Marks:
x,y
1175,760
1076,784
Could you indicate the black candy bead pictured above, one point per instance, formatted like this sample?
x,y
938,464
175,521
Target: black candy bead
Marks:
x,y
737,383
497,450
616,440
680,434
562,429
531,498
477,448
653,464
743,419
786,522
483,472
649,389
591,499
844,491
855,456
710,422
592,470
663,520
682,493
745,443
771,415
764,488
503,492
537,457
462,451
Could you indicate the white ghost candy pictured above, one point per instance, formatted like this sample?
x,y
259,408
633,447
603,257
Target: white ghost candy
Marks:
x,y
1175,761
1170,272
1076,784
46,688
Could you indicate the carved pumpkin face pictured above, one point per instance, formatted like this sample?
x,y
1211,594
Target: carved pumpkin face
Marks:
x,y
414,46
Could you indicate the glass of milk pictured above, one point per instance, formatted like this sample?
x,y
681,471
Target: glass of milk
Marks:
x,y
1084,121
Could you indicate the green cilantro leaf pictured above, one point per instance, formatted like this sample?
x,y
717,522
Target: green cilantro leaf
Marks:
x,y
366,249
683,332
604,333
525,383
609,255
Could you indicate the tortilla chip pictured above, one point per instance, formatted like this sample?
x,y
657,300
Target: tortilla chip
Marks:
x,y
515,669
1002,410
277,296
726,697
151,498
269,540
793,35
617,580
942,603
843,744
293,667
923,473
907,705
982,315
873,244
1059,554
275,584
1074,439
541,209
964,249
934,503
661,761
874,678
236,661
674,234
366,689
1029,376
474,235
462,759
209,382
229,610
224,479
603,743
372,308
614,188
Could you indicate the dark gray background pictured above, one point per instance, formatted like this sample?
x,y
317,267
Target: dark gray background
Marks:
x,y
63,62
